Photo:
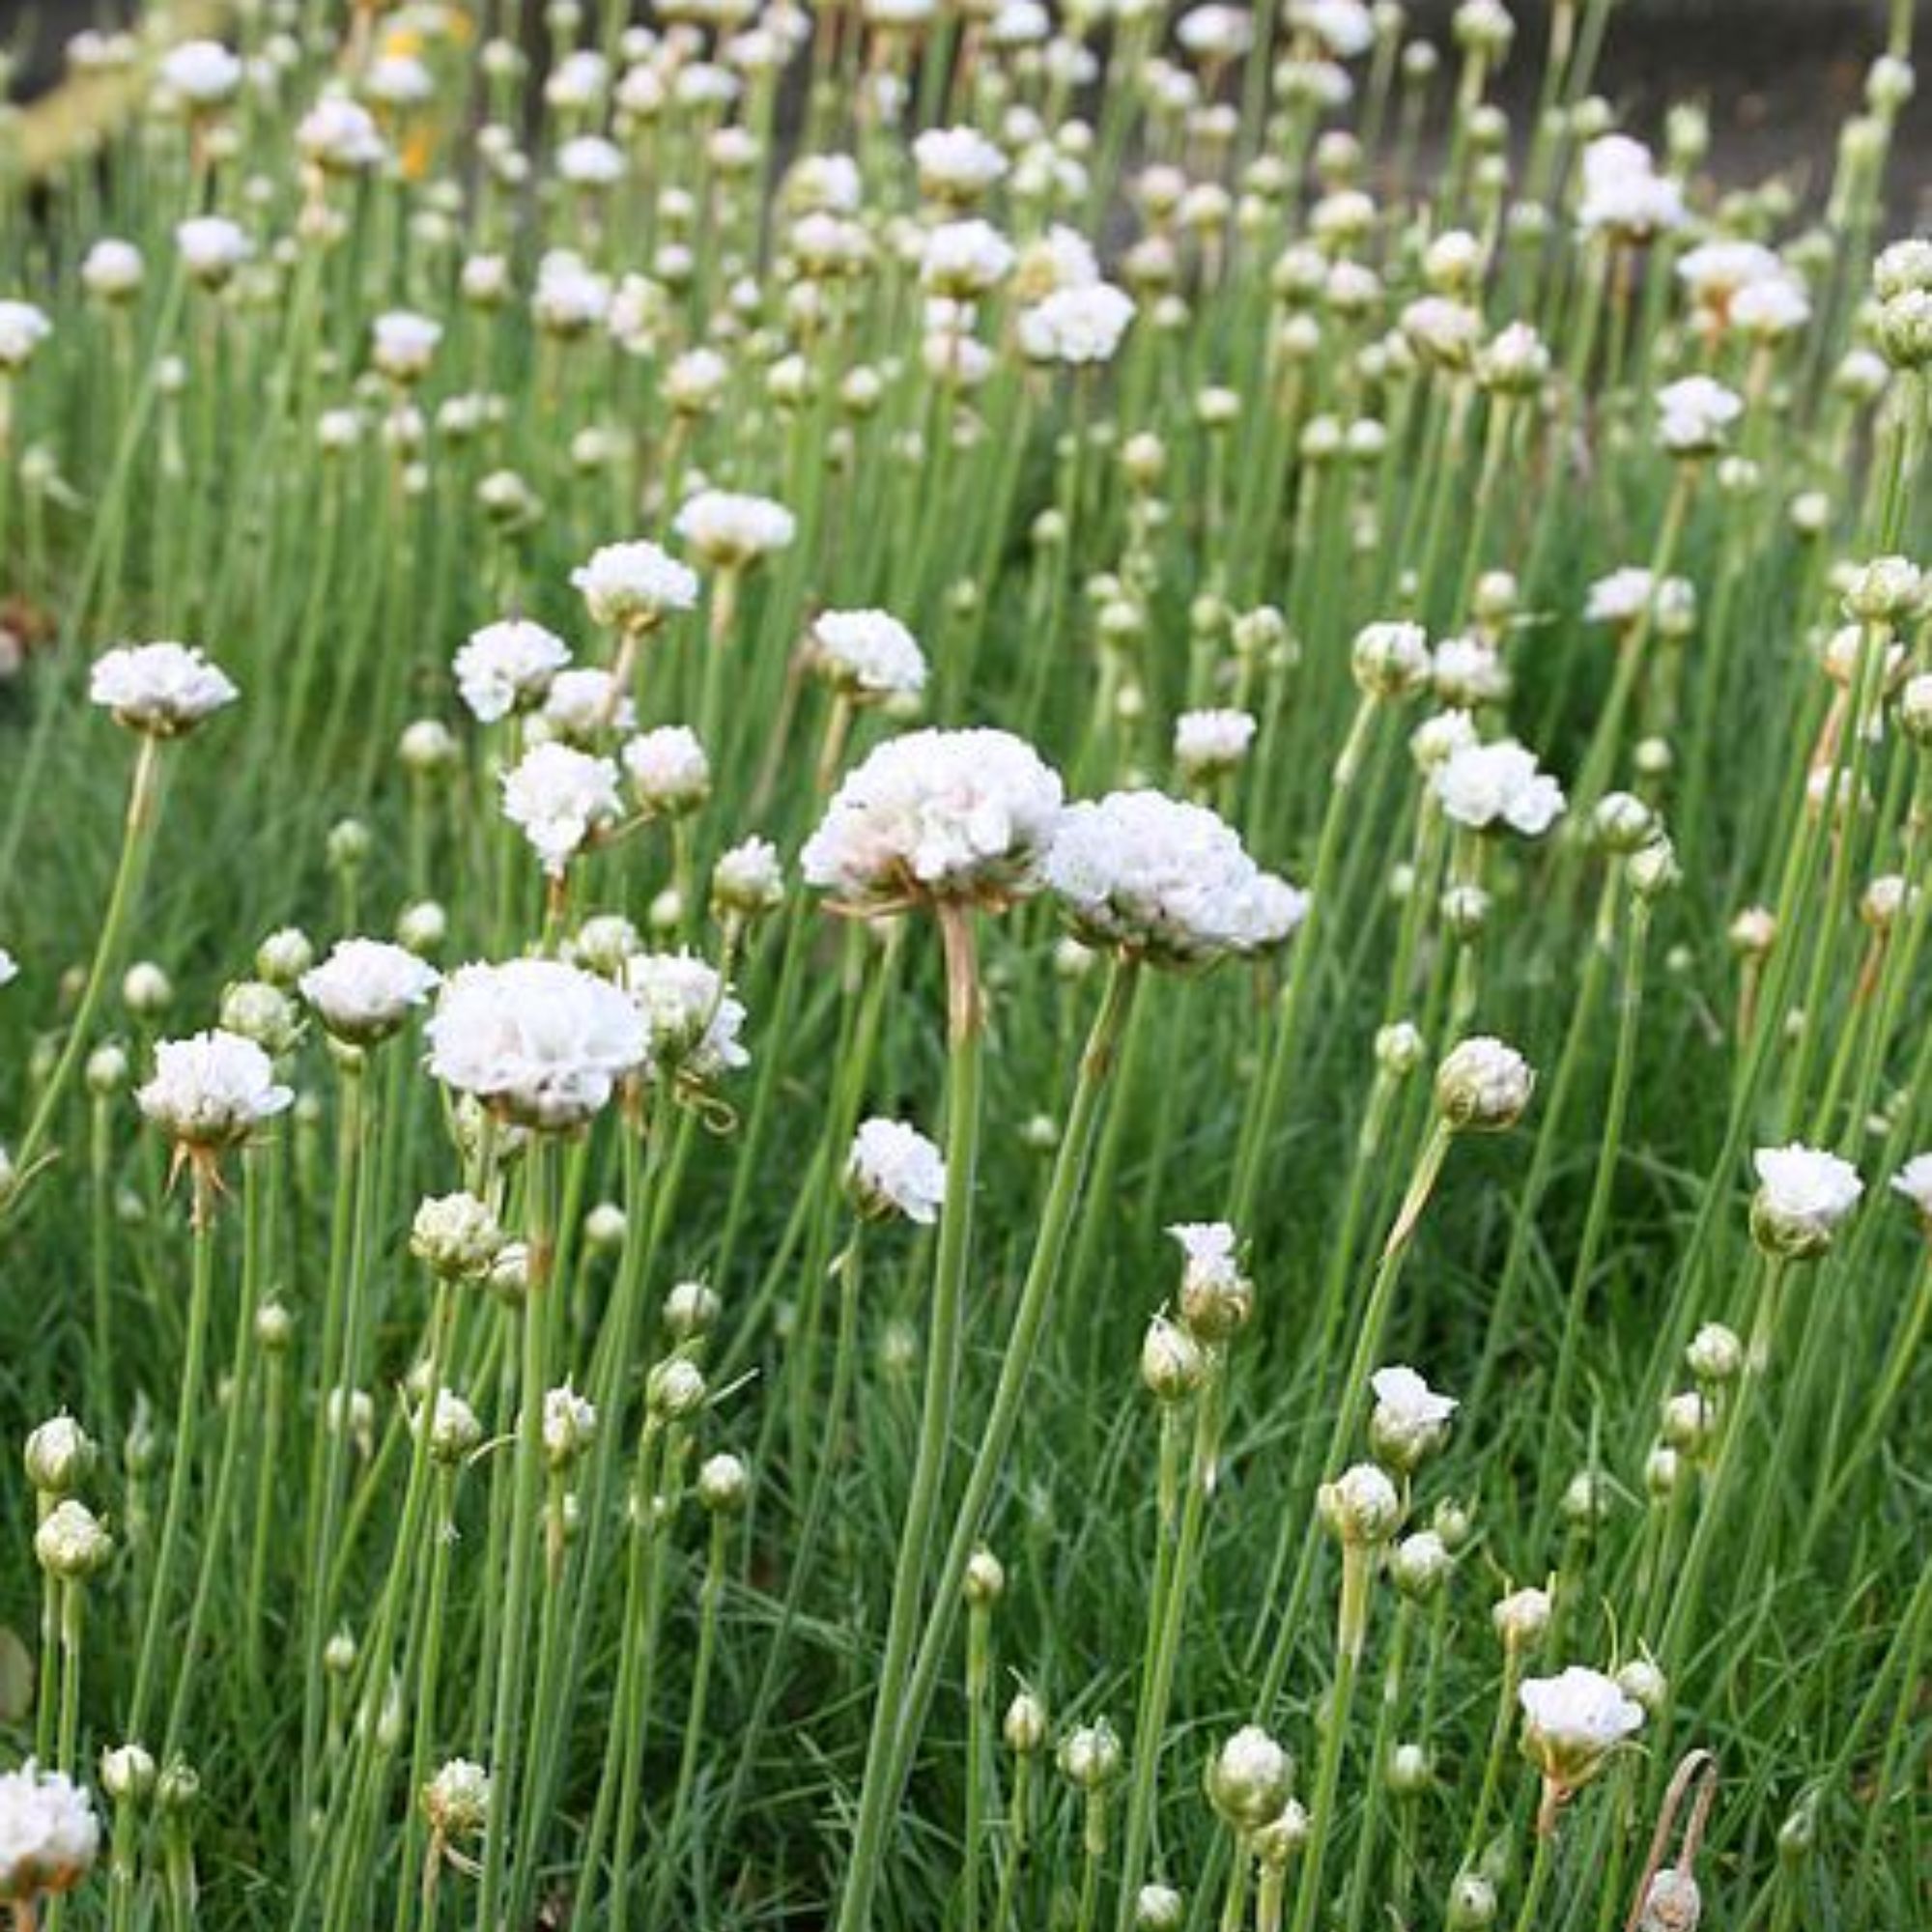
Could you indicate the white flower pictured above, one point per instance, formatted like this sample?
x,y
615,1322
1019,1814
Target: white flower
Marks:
x,y
204,74
1215,1297
10,970
1521,1617
667,770
23,328
1063,258
1573,1722
213,1090
634,585
957,163
589,160
507,666
1619,598
1207,744
402,344
162,690
894,1169
1345,28
1076,326
211,246
1409,1418
365,988
1623,193
1914,1181
748,878
1362,1505
585,701
534,1039
728,529
570,297
867,654
558,796
340,136
1483,1085
49,1835
111,271
1480,786
1694,414
940,814
691,1018
965,259
569,1425
1167,879
1216,33
1802,1194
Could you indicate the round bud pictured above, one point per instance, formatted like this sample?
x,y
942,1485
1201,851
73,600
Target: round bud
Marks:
x,y
1172,1363
107,1070
60,1456
1278,1842
1360,1506
1024,1726
1483,1085
1714,1353
1159,1908
1420,1564
1643,1683
1248,1779
69,1543
284,957
1473,1903
1521,1617
690,1310
985,1581
128,1774
724,1483
1408,1772
604,1228
674,1389
1090,1756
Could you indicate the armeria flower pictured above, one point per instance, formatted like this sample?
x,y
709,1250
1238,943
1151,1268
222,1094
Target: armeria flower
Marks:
x,y
956,164
937,814
212,247
1362,1505
1481,786
1079,327
212,1091
402,344
569,1426
1914,1183
539,1043
1802,1195
729,529
340,136
203,73
584,703
559,796
747,880
1624,194
692,1020
365,990
668,771
1216,33
507,666
869,655
112,271
23,328
1694,415
1409,1418
1483,1085
159,690
634,586
1166,880
1207,745
1217,1295
894,1169
49,1835
965,260
1521,1618
456,1800
10,968
1248,1779
1345,28
1573,1722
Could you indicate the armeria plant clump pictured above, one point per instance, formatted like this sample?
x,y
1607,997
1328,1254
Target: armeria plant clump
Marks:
x,y
965,966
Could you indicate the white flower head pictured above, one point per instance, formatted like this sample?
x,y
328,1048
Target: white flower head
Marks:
x,y
365,990
49,1835
1217,1296
112,271
894,1169
1166,879
212,1091
538,1042
668,771
729,529
869,655
1409,1418
159,690
23,328
957,163
1574,1721
937,814
1209,744
584,702
634,585
1482,787
507,666
212,247
1695,415
1913,1182
1624,194
965,260
1483,1085
559,797
402,344
1078,326
692,1019
1802,1195
340,136
201,73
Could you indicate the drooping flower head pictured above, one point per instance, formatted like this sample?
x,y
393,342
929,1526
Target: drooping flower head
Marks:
x,y
946,816
1167,880
540,1043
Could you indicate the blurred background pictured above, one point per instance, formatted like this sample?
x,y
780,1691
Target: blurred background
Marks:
x,y
1777,76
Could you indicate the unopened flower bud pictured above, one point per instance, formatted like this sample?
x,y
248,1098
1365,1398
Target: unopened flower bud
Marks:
x,y
129,1773
724,1483
1360,1506
674,1389
69,1543
985,1578
1159,1908
60,1456
1714,1353
1473,1903
1483,1085
1024,1726
1171,1363
1091,1757
1248,1779
1409,1772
